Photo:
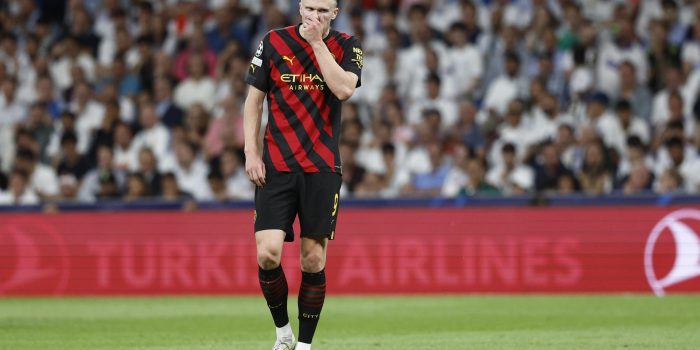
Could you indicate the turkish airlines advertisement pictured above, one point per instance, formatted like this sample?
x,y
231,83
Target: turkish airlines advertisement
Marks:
x,y
375,251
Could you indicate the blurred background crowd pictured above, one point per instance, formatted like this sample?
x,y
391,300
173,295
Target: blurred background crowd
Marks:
x,y
133,99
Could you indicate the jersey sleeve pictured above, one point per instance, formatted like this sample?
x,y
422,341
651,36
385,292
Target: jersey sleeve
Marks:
x,y
352,58
258,69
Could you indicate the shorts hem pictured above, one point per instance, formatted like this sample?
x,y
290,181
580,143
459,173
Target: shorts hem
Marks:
x,y
330,236
288,233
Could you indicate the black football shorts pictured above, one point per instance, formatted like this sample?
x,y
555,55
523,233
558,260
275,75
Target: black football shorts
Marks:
x,y
312,196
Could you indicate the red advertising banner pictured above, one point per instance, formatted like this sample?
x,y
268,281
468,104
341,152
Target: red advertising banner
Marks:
x,y
492,250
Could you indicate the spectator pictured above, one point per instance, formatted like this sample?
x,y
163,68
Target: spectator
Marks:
x,y
168,113
136,188
153,134
603,122
197,123
639,181
638,95
661,54
148,169
464,59
65,124
39,123
429,184
504,88
45,93
230,26
511,177
434,101
567,145
107,187
477,183
125,154
141,62
690,52
632,125
127,83
25,139
42,178
13,59
19,191
548,72
548,168
623,47
205,59
635,155
353,174
104,135
89,114
145,16
125,106
467,127
686,163
12,111
196,87
567,184
81,28
392,178
457,177
71,162
379,71
596,177
236,182
191,171
372,185
226,130
670,182
104,181
217,186
68,187
673,85
70,55
170,189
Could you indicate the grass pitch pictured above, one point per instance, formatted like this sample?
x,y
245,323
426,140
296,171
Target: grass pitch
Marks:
x,y
425,322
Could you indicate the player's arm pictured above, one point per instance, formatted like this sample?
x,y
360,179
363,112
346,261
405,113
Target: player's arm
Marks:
x,y
341,82
252,115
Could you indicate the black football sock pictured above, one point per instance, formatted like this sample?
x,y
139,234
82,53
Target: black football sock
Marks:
x,y
274,288
311,296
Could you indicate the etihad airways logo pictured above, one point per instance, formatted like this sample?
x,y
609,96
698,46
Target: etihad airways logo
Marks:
x,y
303,81
672,253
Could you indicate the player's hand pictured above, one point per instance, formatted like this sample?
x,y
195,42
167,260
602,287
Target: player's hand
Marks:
x,y
255,168
311,29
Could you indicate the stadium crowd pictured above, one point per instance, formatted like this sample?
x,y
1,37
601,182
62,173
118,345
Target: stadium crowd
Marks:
x,y
119,99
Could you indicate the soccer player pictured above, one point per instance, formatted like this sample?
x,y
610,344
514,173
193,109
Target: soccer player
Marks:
x,y
305,71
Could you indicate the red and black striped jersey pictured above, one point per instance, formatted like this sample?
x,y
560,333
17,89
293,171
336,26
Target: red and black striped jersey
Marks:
x,y
303,128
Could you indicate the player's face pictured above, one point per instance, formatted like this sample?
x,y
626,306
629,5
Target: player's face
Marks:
x,y
322,10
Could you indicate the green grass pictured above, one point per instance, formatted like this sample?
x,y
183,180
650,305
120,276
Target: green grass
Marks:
x,y
435,322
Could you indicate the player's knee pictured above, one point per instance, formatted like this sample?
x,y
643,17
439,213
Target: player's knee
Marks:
x,y
312,262
269,258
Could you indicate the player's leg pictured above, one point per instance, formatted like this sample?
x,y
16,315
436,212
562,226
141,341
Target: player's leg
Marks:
x,y
312,292
275,208
273,283
318,212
